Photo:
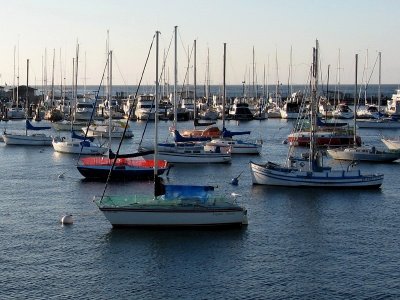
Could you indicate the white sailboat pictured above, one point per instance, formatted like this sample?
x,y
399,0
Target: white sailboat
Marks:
x,y
77,144
114,129
308,170
364,153
381,122
226,140
34,139
37,139
186,152
171,205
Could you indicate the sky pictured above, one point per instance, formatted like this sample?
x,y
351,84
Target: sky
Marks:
x,y
281,32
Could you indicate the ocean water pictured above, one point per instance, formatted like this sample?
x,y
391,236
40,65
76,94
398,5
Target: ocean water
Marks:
x,y
299,244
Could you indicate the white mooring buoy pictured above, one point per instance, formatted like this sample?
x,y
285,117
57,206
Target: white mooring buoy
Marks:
x,y
66,220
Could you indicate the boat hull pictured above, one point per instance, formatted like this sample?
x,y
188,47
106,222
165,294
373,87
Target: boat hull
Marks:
x,y
236,147
174,217
185,158
263,175
328,139
118,173
75,147
355,155
98,168
27,140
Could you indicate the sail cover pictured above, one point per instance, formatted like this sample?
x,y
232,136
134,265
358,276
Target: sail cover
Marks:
x,y
74,135
31,127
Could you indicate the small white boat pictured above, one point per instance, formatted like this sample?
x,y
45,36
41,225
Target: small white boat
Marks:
x,y
145,107
103,130
36,139
84,110
343,111
190,153
292,107
237,146
77,146
364,153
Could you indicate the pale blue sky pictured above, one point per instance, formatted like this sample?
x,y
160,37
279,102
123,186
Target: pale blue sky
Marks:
x,y
271,26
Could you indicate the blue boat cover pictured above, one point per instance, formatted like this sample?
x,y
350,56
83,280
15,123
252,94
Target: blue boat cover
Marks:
x,y
187,192
79,137
31,127
179,138
228,134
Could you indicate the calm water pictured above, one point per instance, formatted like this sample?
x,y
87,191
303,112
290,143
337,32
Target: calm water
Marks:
x,y
299,244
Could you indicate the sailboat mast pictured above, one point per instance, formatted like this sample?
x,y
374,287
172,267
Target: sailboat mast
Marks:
x,y
379,86
156,111
224,90
254,86
52,79
18,77
73,92
355,103
27,100
194,81
109,101
313,106
14,77
175,76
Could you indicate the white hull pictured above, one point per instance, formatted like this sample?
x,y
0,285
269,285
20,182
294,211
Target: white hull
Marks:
x,y
288,115
143,115
366,155
236,146
149,211
102,131
327,179
27,140
187,158
177,153
178,218
75,147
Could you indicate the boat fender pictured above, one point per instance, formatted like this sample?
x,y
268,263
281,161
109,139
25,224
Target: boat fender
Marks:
x,y
67,220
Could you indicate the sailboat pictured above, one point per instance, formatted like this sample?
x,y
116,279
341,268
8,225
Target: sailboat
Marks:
x,y
171,205
390,122
308,170
226,139
37,139
77,144
187,151
116,166
364,153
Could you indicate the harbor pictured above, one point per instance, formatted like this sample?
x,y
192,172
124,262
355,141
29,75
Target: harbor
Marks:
x,y
166,150
320,237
